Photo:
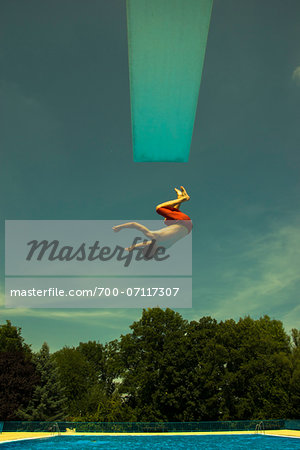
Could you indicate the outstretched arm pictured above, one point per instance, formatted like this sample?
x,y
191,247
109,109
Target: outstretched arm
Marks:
x,y
140,245
136,226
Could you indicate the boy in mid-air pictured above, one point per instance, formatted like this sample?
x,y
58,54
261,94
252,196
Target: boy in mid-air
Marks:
x,y
178,226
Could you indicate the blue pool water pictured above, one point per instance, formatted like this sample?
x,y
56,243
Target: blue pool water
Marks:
x,y
213,442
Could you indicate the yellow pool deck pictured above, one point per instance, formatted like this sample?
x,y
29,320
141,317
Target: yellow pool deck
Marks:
x,y
14,436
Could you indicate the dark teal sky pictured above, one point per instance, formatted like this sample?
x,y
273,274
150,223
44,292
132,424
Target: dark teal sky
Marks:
x,y
66,152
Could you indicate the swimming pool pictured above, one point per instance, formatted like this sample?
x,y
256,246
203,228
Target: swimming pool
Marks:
x,y
212,442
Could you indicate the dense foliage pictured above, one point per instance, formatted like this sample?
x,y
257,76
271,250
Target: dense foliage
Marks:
x,y
18,374
48,399
165,368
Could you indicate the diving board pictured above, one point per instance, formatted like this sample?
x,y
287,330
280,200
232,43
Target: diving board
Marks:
x,y
166,48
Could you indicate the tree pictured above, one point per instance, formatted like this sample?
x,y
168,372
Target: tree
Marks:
x,y
205,358
96,357
18,374
48,401
257,369
154,363
76,377
94,353
296,338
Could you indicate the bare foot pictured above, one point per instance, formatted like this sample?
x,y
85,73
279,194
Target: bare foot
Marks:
x,y
117,228
178,192
184,193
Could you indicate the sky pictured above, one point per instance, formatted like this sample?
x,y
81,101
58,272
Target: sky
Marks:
x,y
66,153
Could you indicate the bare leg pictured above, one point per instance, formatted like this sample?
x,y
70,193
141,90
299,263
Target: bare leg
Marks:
x,y
136,226
182,196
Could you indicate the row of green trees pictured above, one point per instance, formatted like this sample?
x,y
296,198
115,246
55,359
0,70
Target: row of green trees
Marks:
x,y
164,369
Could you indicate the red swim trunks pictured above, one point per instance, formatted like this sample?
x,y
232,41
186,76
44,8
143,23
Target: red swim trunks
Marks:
x,y
170,214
